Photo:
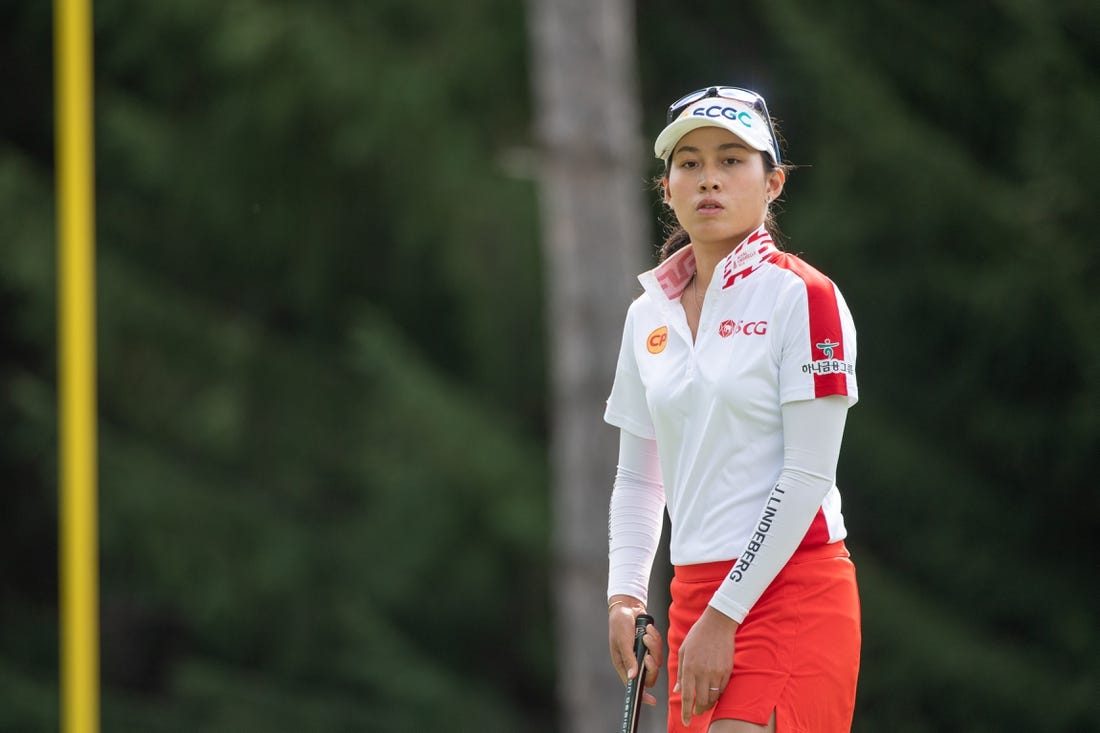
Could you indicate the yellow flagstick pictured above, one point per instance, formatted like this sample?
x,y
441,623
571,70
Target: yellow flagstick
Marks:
x,y
79,549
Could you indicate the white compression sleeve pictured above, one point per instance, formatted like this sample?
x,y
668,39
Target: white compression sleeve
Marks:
x,y
635,517
812,431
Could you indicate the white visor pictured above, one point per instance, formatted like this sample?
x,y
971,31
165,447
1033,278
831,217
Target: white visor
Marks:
x,y
737,117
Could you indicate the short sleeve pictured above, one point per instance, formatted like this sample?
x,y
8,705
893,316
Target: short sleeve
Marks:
x,y
817,349
627,408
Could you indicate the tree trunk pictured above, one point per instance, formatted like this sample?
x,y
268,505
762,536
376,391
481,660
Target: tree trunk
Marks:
x,y
596,238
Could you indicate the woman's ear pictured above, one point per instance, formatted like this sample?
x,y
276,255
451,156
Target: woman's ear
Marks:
x,y
777,178
664,189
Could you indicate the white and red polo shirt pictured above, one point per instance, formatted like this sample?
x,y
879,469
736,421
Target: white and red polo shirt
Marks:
x,y
772,330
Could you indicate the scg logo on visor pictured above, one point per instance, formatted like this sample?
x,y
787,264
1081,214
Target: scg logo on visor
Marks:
x,y
730,113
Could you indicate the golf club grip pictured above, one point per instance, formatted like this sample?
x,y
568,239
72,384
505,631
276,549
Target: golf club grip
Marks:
x,y
632,706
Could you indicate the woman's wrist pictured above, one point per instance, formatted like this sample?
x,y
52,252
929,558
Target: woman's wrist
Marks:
x,y
721,618
624,601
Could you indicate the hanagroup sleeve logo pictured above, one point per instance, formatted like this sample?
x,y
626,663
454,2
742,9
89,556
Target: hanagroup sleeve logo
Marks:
x,y
827,347
828,365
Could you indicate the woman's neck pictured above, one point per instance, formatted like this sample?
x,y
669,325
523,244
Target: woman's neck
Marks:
x,y
709,253
707,257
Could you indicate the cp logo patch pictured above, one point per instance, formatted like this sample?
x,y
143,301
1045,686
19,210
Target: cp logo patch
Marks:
x,y
657,340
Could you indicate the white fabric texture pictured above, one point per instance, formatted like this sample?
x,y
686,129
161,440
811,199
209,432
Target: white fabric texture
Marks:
x,y
636,517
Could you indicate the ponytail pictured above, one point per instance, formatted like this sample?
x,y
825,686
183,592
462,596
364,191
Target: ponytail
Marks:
x,y
676,239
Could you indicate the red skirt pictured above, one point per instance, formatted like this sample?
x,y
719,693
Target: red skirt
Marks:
x,y
796,653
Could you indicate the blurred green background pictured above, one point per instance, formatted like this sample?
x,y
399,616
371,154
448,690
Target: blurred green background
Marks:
x,y
322,368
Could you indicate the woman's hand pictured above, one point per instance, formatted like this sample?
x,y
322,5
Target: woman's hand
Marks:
x,y
620,624
706,662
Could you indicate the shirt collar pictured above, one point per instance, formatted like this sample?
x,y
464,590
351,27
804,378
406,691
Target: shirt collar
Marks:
x,y
669,278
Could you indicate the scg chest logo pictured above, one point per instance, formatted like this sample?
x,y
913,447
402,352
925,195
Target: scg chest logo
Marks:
x,y
746,328
657,340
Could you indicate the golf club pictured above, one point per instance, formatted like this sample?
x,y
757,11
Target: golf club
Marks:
x,y
632,706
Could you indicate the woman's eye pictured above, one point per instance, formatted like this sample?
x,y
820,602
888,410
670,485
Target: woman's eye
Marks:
x,y
732,161
688,164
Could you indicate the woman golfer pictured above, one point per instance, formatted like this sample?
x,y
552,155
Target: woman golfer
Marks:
x,y
736,371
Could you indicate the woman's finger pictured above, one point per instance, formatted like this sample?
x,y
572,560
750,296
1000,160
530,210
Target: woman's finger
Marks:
x,y
686,685
626,665
655,644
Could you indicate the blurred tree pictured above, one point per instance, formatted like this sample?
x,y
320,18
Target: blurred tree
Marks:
x,y
594,235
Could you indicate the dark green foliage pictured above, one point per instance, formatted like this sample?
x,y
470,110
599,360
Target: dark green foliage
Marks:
x,y
322,486
323,482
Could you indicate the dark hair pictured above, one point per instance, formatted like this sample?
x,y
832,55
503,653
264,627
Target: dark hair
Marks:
x,y
676,236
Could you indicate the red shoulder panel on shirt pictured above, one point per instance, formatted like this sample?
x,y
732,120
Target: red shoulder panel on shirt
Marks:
x,y
826,332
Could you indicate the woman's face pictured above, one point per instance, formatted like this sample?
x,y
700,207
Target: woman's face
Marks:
x,y
719,187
